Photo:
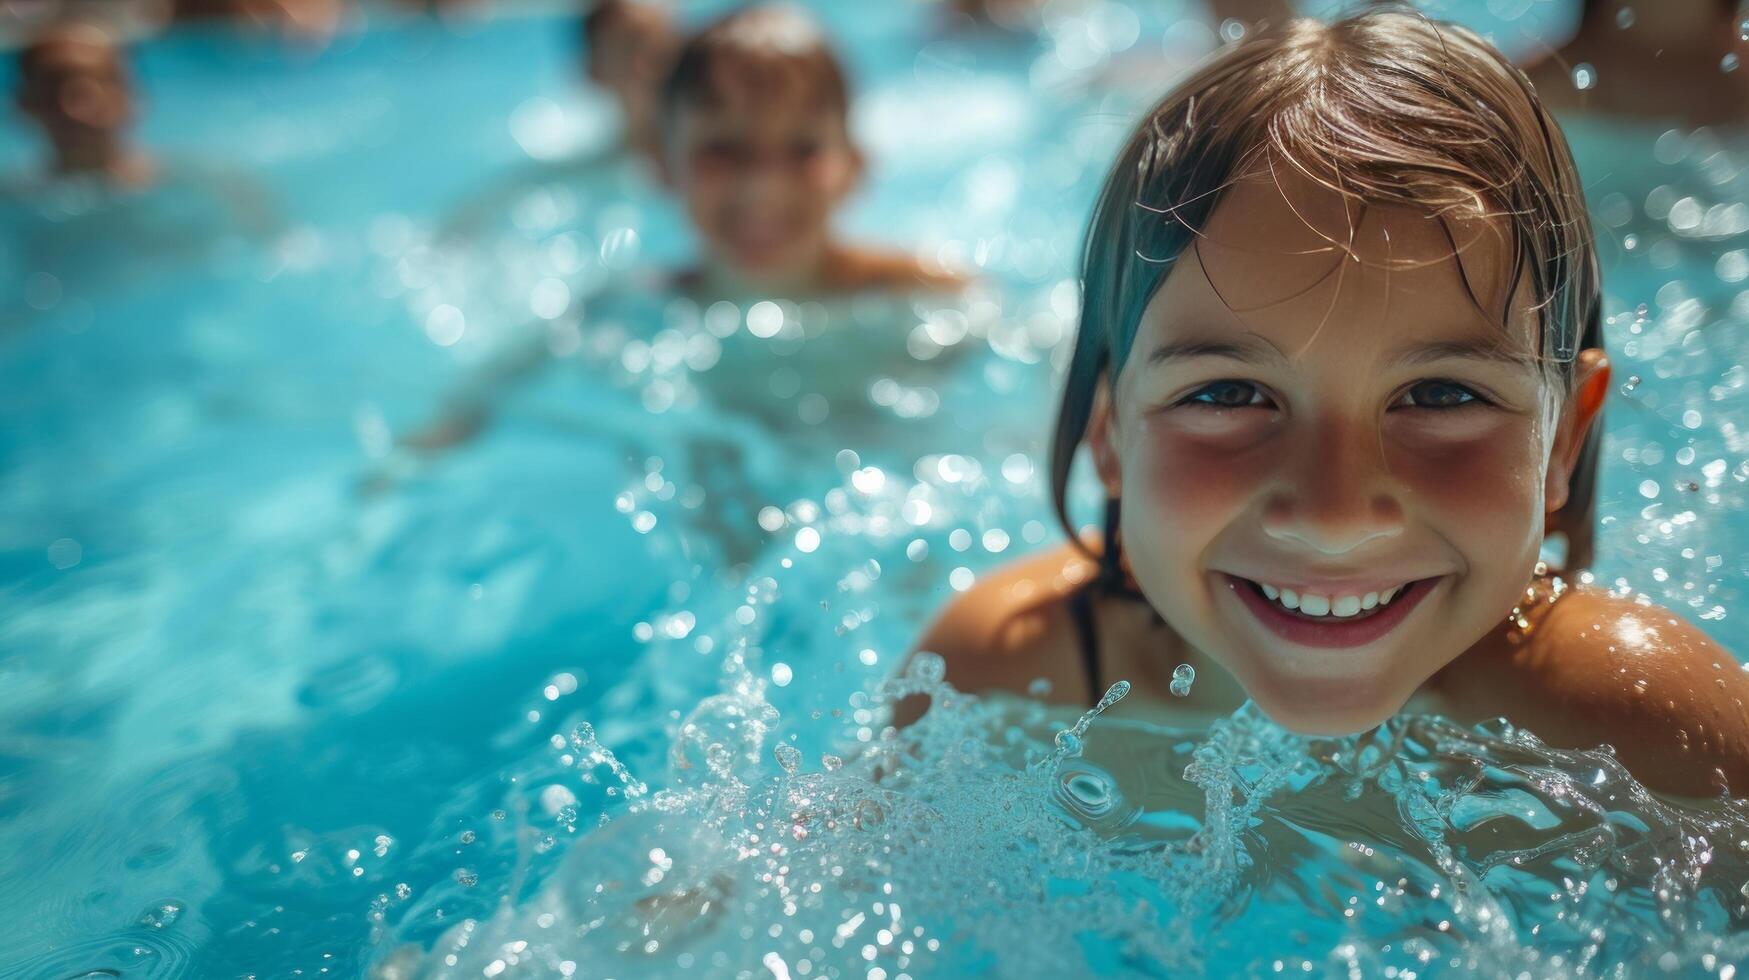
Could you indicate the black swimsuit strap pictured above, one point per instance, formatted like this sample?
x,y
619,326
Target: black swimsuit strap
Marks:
x,y
1081,613
1111,580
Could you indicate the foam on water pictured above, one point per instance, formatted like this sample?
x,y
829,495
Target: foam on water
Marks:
x,y
977,840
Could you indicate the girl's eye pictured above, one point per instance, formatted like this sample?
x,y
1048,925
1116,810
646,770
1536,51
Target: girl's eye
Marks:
x,y
1226,394
1439,395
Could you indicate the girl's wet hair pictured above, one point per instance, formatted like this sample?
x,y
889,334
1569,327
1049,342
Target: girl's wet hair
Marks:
x,y
1386,108
770,50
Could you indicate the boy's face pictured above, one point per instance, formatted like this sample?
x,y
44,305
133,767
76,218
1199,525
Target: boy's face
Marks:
x,y
760,178
1342,427
77,91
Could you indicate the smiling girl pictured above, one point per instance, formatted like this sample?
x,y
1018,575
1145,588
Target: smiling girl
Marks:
x,y
1339,371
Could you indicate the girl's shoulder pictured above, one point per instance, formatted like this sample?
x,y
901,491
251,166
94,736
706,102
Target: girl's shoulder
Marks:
x,y
1593,667
1011,627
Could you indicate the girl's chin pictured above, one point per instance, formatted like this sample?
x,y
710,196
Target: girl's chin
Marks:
x,y
1327,707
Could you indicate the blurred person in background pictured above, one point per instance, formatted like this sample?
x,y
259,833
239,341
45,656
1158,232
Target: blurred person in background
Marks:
x,y
75,87
756,146
304,20
104,211
1652,59
627,48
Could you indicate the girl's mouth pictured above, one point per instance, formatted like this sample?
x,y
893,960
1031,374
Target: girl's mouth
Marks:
x,y
1319,621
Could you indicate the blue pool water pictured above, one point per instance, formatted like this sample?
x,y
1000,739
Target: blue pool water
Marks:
x,y
257,721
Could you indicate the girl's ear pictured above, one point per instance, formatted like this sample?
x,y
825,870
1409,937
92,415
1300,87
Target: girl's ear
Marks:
x,y
1590,385
1102,438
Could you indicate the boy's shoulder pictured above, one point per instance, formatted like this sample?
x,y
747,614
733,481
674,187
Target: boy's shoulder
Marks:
x,y
1595,667
1012,626
855,269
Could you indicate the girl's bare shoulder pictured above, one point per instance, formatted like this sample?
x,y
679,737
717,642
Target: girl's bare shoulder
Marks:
x,y
1595,667
1013,626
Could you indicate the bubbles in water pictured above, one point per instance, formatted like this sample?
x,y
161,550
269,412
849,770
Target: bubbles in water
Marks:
x,y
927,668
445,325
162,915
1182,677
1232,30
789,757
1729,62
64,553
1624,18
1584,76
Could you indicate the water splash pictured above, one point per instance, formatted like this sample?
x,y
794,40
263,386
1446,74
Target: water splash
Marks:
x,y
1129,849
1183,676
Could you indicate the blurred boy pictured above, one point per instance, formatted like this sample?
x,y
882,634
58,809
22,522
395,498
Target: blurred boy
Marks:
x,y
756,144
75,87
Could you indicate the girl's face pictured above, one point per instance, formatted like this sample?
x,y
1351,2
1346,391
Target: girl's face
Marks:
x,y
1348,434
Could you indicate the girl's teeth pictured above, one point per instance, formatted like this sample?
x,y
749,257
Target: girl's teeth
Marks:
x,y
1344,606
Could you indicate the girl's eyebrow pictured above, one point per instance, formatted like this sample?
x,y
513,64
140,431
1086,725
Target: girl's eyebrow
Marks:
x,y
1256,352
1476,349
1410,355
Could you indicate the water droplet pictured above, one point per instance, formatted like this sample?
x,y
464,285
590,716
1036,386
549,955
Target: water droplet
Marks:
x,y
1624,18
1113,694
1632,382
1584,76
927,668
831,763
468,837
1729,62
1182,678
789,757
466,878
1068,744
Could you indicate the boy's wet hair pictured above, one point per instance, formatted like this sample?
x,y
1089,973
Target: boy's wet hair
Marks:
x,y
601,17
1386,108
765,51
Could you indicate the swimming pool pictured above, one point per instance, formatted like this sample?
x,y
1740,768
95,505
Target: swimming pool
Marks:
x,y
258,723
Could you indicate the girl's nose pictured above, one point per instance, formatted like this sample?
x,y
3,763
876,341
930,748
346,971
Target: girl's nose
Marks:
x,y
1337,496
